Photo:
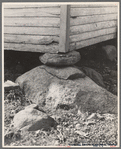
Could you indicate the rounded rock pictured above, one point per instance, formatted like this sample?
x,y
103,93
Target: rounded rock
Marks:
x,y
65,59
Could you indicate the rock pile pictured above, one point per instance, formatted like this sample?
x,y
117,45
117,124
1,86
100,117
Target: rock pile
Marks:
x,y
59,85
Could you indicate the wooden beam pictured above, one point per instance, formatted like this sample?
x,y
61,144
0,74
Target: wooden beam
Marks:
x,y
64,28
91,41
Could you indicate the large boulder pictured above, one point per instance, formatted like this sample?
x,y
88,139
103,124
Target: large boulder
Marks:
x,y
83,93
50,90
35,83
32,119
65,59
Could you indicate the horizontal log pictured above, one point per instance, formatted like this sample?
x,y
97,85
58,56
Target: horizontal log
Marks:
x,y
27,39
74,30
32,31
94,5
31,48
81,44
32,5
92,19
92,34
75,12
50,22
36,12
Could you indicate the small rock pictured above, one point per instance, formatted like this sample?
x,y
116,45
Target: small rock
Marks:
x,y
32,119
111,52
9,85
65,59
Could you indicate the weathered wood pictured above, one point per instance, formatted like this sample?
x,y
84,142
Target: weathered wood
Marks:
x,y
32,31
64,28
92,19
50,22
92,34
36,12
81,44
91,11
37,27
27,39
31,48
94,5
74,30
32,5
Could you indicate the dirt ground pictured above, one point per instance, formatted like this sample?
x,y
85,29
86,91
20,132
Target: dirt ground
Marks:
x,y
98,133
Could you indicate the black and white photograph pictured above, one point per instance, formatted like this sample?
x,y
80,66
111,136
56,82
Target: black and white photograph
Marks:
x,y
60,77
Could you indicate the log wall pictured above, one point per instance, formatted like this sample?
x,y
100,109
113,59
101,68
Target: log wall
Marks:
x,y
90,24
58,28
33,27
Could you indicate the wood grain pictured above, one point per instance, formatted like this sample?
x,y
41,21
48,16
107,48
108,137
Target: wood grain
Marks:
x,y
92,34
50,22
81,44
32,31
74,30
31,48
27,39
35,12
26,5
92,11
95,5
64,28
92,19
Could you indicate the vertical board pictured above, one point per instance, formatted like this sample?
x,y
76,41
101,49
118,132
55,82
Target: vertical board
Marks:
x,y
64,28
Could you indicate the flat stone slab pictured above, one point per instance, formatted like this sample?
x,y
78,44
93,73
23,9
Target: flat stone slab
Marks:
x,y
64,72
65,59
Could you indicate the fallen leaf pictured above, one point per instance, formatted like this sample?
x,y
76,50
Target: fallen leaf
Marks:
x,y
92,116
90,122
81,133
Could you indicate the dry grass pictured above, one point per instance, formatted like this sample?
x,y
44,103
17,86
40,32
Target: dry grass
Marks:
x,y
72,129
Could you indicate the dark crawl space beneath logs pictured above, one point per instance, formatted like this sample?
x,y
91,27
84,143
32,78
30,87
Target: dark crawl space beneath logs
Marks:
x,y
17,63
